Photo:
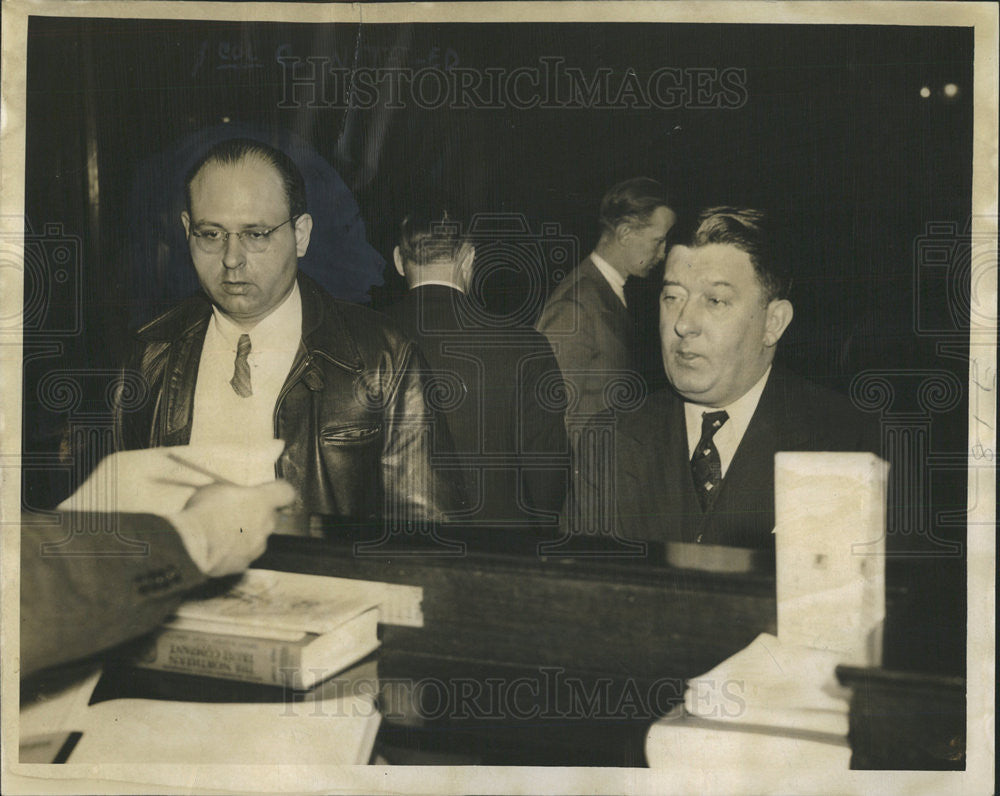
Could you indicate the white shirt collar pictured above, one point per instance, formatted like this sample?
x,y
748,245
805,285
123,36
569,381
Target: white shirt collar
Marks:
x,y
280,328
615,279
440,282
727,439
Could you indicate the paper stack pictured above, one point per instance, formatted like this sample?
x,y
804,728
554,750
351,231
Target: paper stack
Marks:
x,y
776,706
764,708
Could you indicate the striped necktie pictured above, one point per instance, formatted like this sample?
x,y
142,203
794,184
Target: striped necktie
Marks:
x,y
241,372
706,467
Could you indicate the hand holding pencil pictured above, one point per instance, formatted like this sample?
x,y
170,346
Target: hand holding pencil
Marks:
x,y
224,526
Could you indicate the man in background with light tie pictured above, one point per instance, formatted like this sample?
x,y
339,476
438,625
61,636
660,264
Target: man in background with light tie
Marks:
x,y
696,463
586,319
266,353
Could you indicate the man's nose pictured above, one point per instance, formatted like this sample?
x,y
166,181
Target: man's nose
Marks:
x,y
233,256
686,323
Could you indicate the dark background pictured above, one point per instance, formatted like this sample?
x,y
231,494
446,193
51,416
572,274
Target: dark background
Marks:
x,y
834,137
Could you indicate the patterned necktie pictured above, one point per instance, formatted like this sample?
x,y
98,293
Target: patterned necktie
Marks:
x,y
706,466
241,372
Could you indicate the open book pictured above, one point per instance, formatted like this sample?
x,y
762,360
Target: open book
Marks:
x,y
334,724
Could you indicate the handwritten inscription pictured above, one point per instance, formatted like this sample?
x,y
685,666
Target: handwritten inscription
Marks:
x,y
984,381
244,56
226,55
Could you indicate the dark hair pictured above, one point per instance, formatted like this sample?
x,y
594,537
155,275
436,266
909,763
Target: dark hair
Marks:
x,y
749,231
233,151
430,236
632,201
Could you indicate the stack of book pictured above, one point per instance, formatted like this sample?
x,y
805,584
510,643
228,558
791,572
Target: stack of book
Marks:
x,y
269,668
278,628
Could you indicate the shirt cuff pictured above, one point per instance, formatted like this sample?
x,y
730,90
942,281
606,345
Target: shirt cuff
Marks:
x,y
195,542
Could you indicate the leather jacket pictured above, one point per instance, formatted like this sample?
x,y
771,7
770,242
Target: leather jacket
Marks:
x,y
352,412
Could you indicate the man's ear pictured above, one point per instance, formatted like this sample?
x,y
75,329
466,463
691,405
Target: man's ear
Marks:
x,y
186,221
622,233
779,315
397,258
303,231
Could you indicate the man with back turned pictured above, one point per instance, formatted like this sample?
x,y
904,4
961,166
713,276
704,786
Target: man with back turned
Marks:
x,y
510,443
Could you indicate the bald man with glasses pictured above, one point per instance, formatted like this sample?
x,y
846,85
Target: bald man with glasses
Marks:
x,y
265,353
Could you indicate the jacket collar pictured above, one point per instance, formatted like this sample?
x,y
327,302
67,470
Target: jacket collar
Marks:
x,y
324,330
608,298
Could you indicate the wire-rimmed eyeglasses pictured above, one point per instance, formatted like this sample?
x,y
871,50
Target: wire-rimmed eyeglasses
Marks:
x,y
212,240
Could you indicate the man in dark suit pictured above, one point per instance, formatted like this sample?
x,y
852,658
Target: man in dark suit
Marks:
x,y
496,385
696,463
586,318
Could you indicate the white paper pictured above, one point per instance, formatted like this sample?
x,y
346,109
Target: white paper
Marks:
x,y
157,480
772,684
830,552
335,725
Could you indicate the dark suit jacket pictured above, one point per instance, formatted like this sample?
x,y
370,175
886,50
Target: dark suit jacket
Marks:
x,y
590,331
80,594
654,495
498,390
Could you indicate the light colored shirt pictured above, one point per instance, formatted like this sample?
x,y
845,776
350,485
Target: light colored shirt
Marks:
x,y
441,282
615,279
728,438
222,416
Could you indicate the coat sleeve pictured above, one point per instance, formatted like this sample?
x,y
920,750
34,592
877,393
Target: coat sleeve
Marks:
x,y
588,352
415,490
543,430
83,592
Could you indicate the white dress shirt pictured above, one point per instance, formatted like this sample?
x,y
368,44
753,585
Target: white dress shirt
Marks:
x,y
615,279
222,416
728,438
441,282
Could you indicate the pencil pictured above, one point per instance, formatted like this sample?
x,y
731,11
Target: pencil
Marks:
x,y
199,469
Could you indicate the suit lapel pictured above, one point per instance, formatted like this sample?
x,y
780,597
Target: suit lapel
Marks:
x,y
682,486
181,374
692,517
751,468
667,504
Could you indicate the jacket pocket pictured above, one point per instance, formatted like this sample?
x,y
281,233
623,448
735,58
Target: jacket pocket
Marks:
x,y
350,434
